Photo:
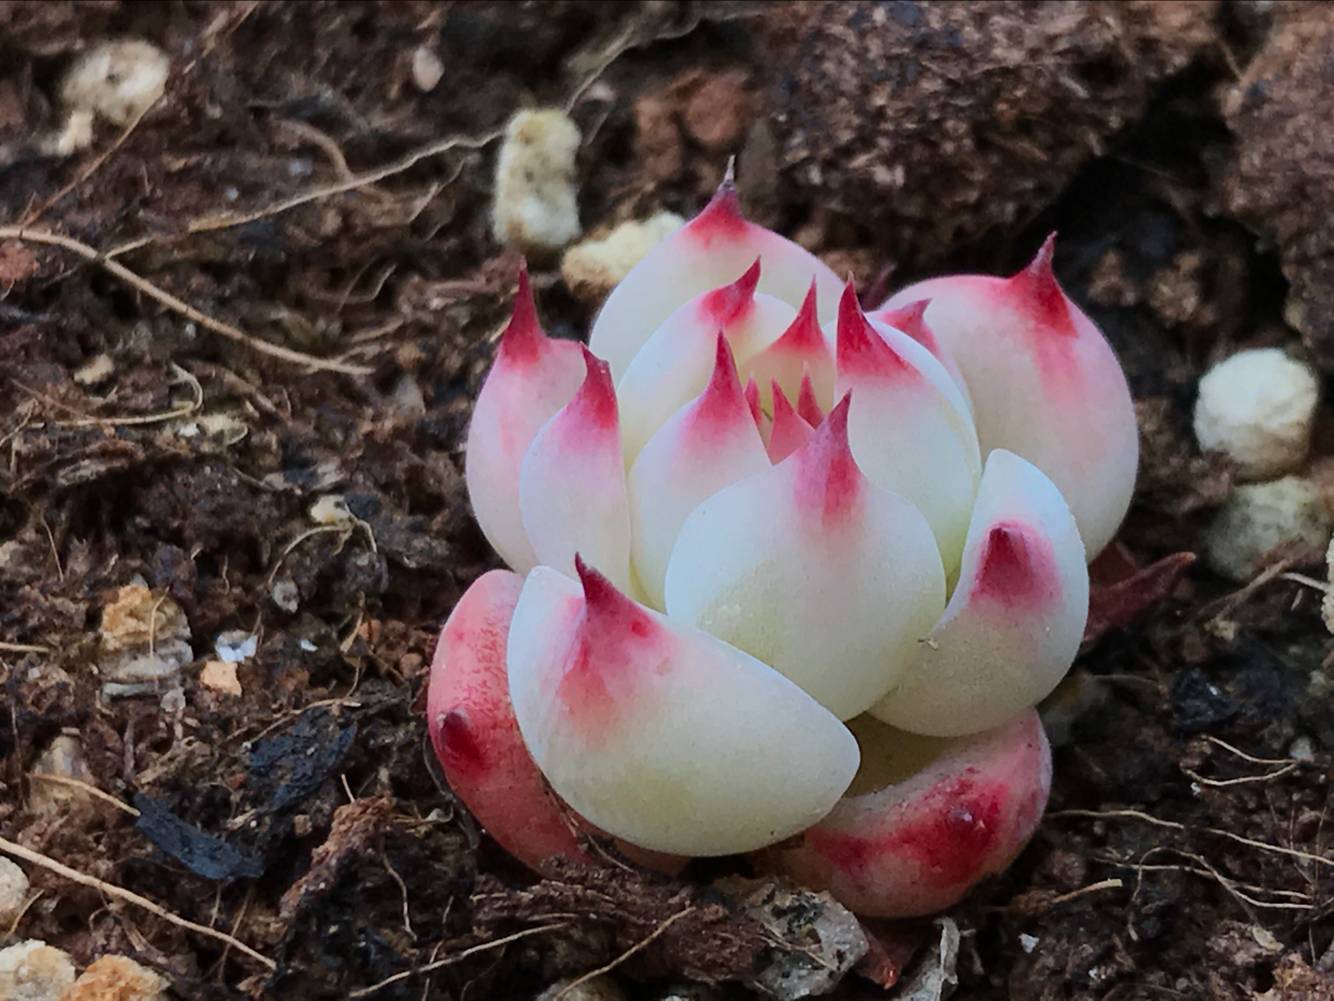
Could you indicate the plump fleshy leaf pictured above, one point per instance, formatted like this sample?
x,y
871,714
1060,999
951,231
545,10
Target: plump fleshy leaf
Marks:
x,y
572,490
663,735
1014,622
1044,384
704,446
533,377
814,570
925,819
475,735
713,248
909,426
477,741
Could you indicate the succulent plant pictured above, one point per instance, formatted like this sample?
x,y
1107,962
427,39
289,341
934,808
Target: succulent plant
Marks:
x,y
787,577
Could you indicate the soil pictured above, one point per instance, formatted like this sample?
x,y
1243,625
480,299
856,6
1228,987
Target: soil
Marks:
x,y
160,469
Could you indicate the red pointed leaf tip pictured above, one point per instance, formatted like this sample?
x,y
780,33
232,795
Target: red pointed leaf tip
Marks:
x,y
803,335
723,403
807,405
457,744
1041,293
722,218
861,349
523,338
725,305
1016,568
753,401
950,835
594,405
614,637
829,483
790,431
911,319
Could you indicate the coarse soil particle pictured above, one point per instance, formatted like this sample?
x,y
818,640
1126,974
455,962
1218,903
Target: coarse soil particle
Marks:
x,y
1279,181
933,124
186,464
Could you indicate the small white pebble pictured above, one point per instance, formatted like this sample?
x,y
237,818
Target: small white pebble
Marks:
x,y
427,69
1302,750
13,891
1028,943
536,208
591,269
330,509
34,971
119,80
1261,516
1257,407
235,646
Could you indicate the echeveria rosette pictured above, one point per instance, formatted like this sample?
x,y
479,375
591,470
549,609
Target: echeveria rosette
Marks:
x,y
789,577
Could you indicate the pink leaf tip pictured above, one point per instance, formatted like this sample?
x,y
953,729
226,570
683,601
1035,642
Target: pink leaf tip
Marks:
x,y
723,397
1046,299
911,319
722,217
830,482
804,332
861,349
523,336
610,614
725,305
807,404
596,399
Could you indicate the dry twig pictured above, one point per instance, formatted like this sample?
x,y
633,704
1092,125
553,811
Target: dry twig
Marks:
x,y
458,958
639,946
171,302
129,897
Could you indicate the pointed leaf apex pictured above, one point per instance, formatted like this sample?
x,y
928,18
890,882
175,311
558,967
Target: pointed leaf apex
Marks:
x,y
830,483
1043,297
836,424
860,348
808,406
606,609
726,304
803,333
523,335
597,394
753,400
722,218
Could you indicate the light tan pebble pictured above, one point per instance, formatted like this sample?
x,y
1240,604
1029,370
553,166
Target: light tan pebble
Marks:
x,y
117,978
591,269
220,676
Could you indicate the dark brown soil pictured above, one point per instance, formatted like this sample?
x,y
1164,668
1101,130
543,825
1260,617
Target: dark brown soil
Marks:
x,y
303,815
